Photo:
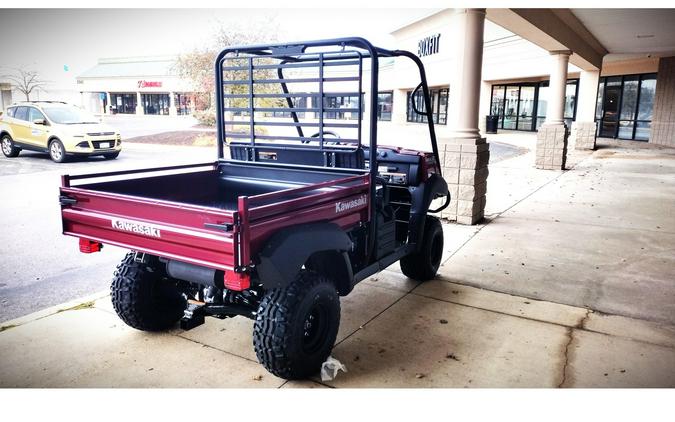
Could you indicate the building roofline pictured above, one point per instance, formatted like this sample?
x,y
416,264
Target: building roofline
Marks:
x,y
415,20
134,59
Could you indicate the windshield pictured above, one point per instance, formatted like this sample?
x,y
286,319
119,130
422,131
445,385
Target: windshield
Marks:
x,y
68,115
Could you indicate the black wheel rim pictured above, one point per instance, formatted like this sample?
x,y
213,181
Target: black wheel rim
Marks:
x,y
314,329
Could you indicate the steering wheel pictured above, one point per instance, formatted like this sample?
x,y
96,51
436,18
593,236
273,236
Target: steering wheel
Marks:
x,y
325,132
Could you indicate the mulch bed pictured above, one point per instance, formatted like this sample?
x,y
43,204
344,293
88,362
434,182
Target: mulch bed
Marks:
x,y
183,137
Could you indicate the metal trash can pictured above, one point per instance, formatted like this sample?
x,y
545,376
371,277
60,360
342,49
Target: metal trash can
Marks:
x,y
491,122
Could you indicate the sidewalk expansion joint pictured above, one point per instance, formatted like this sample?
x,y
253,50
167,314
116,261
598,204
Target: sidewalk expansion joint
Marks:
x,y
576,223
377,315
566,353
212,347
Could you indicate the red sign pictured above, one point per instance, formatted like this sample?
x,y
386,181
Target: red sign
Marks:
x,y
149,84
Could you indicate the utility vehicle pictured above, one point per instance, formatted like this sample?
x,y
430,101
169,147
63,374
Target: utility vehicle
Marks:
x,y
298,215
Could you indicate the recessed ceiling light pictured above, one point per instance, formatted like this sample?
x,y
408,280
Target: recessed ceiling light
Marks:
x,y
645,35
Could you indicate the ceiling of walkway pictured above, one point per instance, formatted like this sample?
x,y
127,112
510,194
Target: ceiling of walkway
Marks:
x,y
631,31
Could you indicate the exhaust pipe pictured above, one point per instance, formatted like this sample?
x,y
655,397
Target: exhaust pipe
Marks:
x,y
195,273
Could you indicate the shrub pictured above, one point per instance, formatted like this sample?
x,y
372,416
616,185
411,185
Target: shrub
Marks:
x,y
206,117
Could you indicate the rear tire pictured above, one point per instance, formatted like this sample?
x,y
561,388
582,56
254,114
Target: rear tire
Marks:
x,y
423,265
144,297
57,152
296,326
111,156
8,148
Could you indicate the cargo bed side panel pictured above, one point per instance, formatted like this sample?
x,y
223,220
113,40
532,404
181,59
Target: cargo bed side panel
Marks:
x,y
160,228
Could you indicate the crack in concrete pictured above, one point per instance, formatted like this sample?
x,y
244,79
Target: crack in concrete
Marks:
x,y
569,333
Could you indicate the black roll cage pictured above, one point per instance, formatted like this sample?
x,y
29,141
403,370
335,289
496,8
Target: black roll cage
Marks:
x,y
296,55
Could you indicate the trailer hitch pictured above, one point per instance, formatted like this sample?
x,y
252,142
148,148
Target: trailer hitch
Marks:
x,y
193,316
195,313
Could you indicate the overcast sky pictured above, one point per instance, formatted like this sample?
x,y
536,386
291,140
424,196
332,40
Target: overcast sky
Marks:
x,y
46,40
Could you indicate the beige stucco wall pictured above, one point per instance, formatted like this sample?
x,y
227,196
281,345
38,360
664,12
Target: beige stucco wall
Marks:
x,y
629,67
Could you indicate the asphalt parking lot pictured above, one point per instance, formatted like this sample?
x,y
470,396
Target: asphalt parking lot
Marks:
x,y
41,267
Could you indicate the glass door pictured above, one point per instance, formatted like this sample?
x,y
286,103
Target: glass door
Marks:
x,y
511,107
526,108
610,115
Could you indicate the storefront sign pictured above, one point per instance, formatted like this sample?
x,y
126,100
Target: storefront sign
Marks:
x,y
149,84
429,45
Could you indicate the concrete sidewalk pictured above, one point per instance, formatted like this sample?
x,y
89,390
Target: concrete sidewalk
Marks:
x,y
518,302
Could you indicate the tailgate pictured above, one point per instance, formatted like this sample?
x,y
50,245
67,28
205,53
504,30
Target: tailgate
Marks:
x,y
194,234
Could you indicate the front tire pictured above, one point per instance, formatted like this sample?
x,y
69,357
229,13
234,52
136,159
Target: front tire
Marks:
x,y
56,151
423,265
144,297
111,156
296,326
8,148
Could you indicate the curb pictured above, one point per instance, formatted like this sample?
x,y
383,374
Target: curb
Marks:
x,y
13,323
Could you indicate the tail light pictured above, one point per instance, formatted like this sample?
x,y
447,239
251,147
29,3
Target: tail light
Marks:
x,y
237,281
89,246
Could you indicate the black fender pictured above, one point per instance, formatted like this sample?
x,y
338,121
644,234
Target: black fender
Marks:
x,y
288,250
422,196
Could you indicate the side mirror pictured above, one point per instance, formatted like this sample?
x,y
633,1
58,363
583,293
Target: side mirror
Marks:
x,y
39,121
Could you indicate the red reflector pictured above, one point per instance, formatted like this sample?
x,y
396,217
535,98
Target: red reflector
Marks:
x,y
89,246
237,281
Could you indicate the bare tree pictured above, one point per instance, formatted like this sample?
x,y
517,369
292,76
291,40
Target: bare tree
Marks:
x,y
25,81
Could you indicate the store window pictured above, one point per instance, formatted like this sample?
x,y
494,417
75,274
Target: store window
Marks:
x,y
298,102
624,106
497,103
339,107
183,104
155,104
518,104
439,106
385,102
123,103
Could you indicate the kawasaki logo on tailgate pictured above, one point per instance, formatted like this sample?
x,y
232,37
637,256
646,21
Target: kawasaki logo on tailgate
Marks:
x,y
135,227
347,205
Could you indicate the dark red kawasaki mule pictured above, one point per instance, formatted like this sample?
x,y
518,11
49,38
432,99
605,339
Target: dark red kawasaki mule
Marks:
x,y
286,225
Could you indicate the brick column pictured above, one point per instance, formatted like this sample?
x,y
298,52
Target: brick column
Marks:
x,y
583,131
466,154
552,135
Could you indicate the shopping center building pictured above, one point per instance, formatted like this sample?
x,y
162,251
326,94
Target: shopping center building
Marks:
x,y
136,85
567,75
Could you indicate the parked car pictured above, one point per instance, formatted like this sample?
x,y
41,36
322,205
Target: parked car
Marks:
x,y
58,128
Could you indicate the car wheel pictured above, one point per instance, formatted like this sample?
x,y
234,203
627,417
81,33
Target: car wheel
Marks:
x,y
56,151
111,156
8,147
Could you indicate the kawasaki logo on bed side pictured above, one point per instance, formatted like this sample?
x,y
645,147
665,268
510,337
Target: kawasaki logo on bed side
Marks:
x,y
134,227
344,206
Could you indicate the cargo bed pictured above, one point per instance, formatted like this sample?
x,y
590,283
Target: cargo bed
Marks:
x,y
215,214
